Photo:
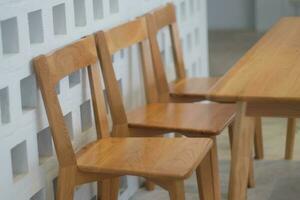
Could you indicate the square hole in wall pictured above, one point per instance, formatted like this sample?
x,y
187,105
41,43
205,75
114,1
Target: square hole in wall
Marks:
x,y
45,147
114,6
40,195
86,115
69,124
10,36
74,78
183,10
79,11
194,69
120,86
19,160
163,56
28,93
4,106
36,31
98,9
57,88
59,19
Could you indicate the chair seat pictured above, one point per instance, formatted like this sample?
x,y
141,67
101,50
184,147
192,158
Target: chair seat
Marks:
x,y
147,157
192,87
197,118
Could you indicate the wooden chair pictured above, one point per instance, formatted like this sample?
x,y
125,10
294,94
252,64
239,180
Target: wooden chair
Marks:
x,y
106,159
156,118
185,89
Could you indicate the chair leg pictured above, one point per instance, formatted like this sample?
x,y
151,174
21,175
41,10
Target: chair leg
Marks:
x,y
258,140
176,190
66,185
251,179
208,176
290,138
149,185
205,179
108,189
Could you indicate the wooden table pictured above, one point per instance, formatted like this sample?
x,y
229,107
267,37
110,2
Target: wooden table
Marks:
x,y
264,82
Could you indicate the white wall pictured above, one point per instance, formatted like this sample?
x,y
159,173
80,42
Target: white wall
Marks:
x,y
31,27
230,14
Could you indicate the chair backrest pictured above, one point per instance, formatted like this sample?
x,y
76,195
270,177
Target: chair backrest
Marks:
x,y
157,19
53,67
108,43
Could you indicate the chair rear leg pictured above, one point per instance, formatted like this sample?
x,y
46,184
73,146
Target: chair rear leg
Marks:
x,y
176,190
290,138
150,186
208,177
258,140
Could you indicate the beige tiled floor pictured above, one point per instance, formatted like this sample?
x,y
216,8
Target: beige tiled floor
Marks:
x,y
276,179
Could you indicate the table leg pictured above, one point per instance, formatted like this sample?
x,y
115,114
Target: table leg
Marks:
x,y
241,152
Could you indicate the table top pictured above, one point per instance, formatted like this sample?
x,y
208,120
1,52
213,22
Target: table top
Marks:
x,y
269,71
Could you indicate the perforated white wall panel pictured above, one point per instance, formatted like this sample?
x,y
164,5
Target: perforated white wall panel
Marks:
x,y
28,165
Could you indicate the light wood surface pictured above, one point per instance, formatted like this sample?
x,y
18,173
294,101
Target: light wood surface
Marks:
x,y
136,156
269,71
152,93
192,119
183,89
243,138
196,88
106,159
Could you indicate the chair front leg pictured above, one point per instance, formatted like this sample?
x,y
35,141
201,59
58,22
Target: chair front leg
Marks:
x,y
176,190
108,189
66,184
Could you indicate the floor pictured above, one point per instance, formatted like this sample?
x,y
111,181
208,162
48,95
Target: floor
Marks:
x,y
276,179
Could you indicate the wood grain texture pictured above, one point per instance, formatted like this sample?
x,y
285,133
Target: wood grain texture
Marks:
x,y
153,93
269,71
242,146
200,119
136,156
106,159
192,87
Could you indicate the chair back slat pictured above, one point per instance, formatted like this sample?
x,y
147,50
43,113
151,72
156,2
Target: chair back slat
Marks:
x,y
71,58
164,16
125,35
52,68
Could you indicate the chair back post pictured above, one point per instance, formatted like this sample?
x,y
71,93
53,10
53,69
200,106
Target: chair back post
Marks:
x,y
61,139
162,17
158,64
176,44
118,114
151,87
52,68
